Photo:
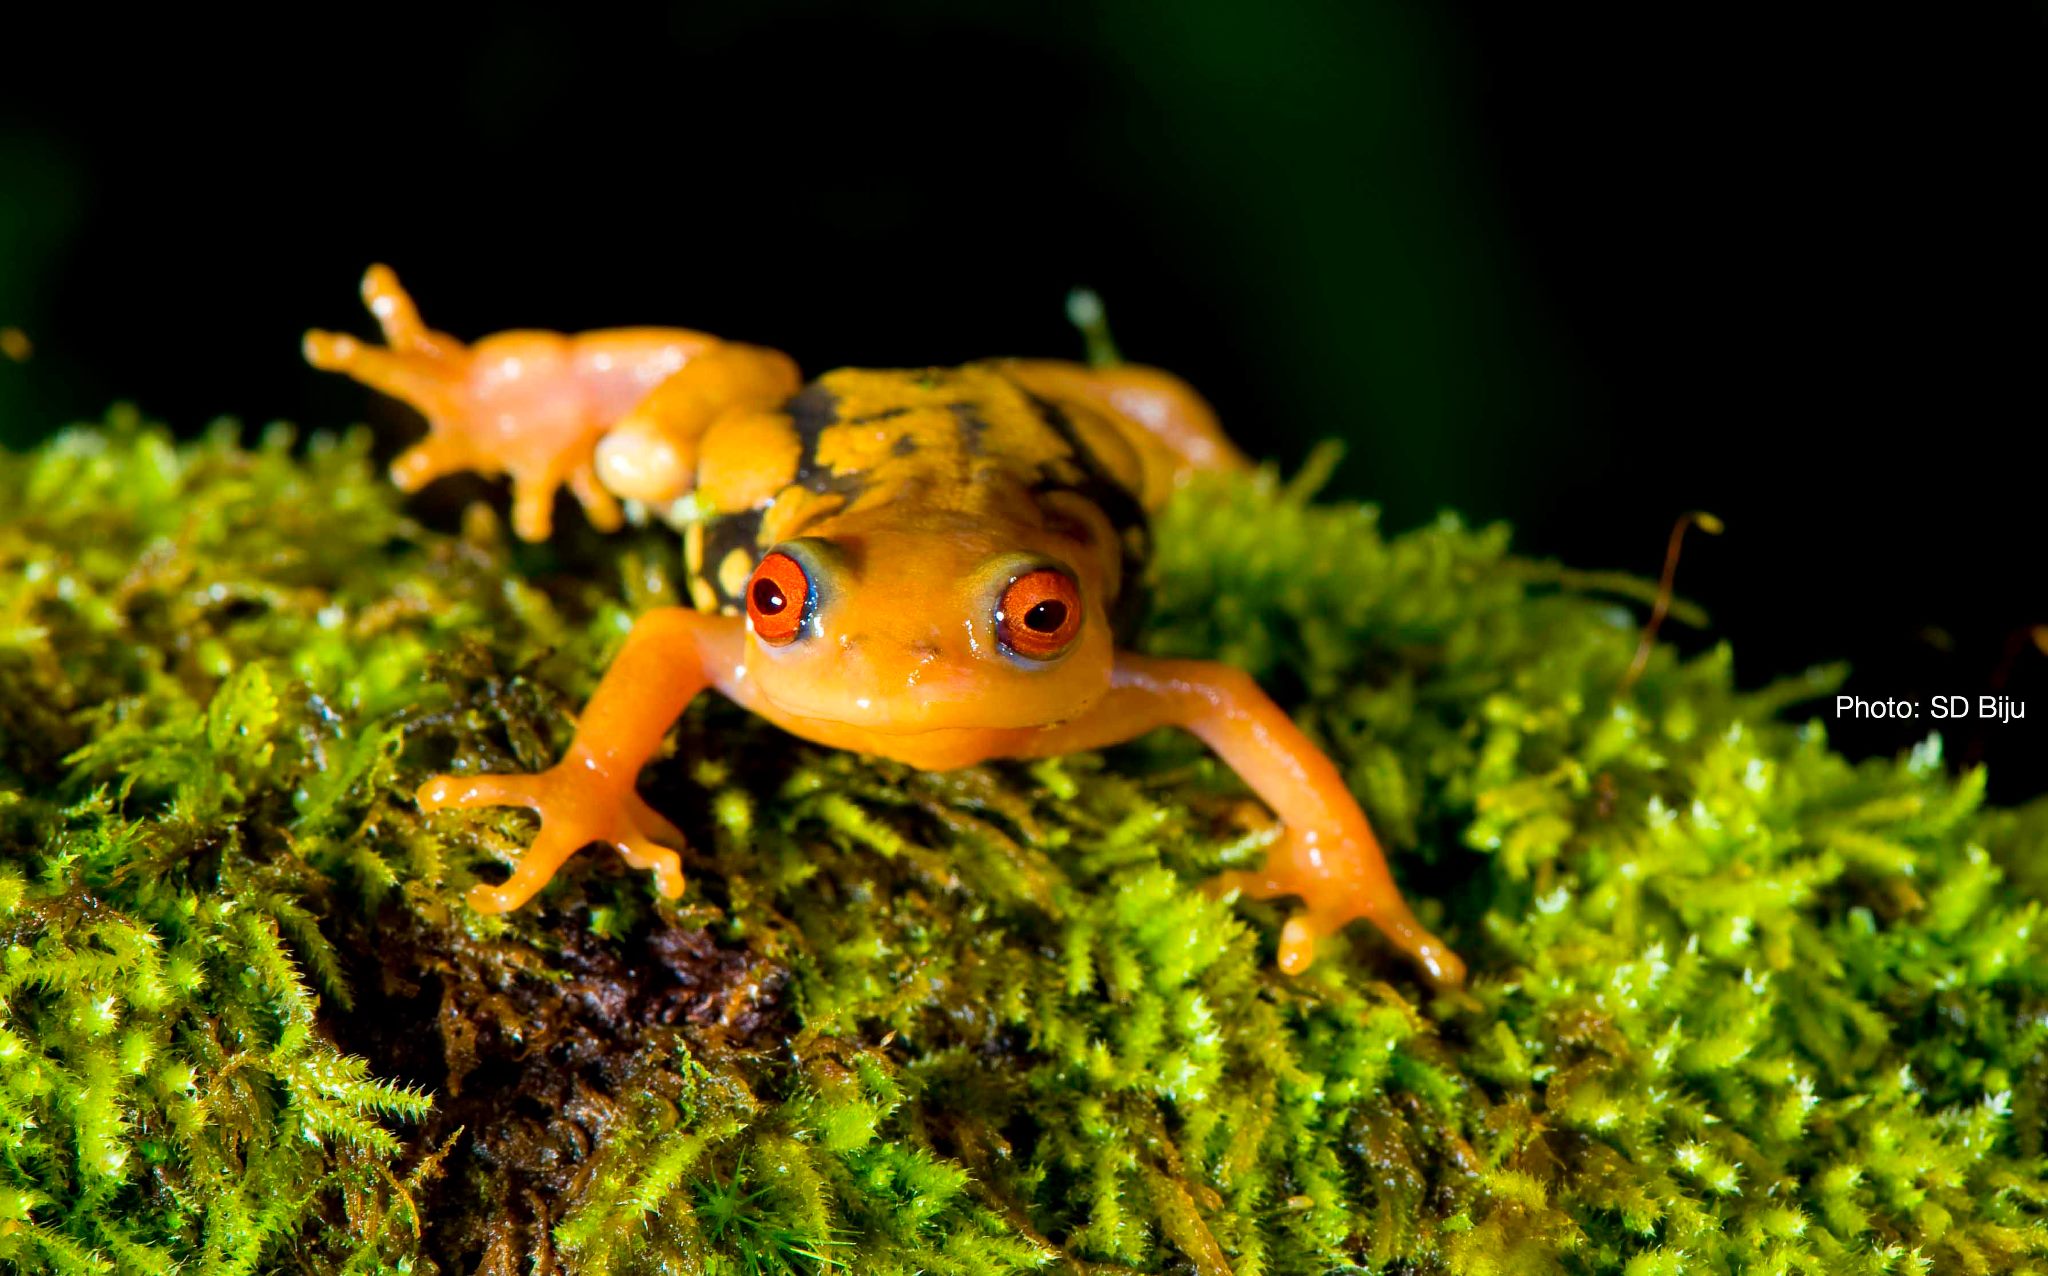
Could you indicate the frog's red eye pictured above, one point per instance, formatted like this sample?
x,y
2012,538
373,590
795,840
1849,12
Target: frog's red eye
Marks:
x,y
1040,614
778,597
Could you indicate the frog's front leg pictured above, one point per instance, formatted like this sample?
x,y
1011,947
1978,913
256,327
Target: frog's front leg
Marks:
x,y
1327,854
671,655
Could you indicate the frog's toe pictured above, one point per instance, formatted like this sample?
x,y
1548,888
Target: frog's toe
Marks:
x,y
649,846
395,312
1332,902
653,825
533,505
461,793
1297,938
430,382
1444,968
532,870
1297,945
1252,885
599,506
573,814
428,460
466,792
665,864
330,351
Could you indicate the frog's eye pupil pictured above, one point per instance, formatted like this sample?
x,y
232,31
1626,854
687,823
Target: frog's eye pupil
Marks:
x,y
778,598
1040,615
1046,617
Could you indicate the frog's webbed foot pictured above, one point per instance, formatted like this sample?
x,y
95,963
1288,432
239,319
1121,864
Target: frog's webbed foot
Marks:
x,y
1335,890
577,805
670,656
510,405
429,370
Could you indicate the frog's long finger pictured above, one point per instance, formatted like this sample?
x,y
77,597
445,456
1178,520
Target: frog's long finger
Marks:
x,y
599,506
467,792
1250,884
414,378
665,863
1444,967
428,460
530,872
396,314
533,505
653,825
1297,945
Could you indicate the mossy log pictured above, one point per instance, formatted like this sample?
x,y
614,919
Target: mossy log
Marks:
x,y
1739,1005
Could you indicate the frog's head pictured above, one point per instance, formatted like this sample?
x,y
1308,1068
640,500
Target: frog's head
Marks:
x,y
947,622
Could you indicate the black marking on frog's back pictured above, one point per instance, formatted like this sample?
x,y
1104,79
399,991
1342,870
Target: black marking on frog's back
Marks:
x,y
1120,505
973,429
814,410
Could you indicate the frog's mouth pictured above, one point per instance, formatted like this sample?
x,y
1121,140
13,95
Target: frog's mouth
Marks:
x,y
934,717
890,689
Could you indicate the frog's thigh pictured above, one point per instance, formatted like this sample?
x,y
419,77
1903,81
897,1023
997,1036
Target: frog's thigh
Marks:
x,y
651,453
1160,406
747,456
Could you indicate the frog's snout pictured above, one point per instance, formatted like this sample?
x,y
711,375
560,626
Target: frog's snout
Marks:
x,y
884,660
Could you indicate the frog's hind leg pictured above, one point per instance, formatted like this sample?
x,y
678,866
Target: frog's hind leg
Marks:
x,y
1174,428
528,404
652,452
511,405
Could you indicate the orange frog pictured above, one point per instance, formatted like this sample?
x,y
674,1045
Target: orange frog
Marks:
x,y
933,565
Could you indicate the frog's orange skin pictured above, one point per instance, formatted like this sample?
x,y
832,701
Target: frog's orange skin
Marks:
x,y
910,501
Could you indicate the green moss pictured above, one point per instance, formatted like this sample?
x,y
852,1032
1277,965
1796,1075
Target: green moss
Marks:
x,y
1739,1004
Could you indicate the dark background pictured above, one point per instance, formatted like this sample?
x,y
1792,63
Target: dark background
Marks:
x,y
1582,271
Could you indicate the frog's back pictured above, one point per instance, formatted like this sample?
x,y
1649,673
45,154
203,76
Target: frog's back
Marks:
x,y
965,440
